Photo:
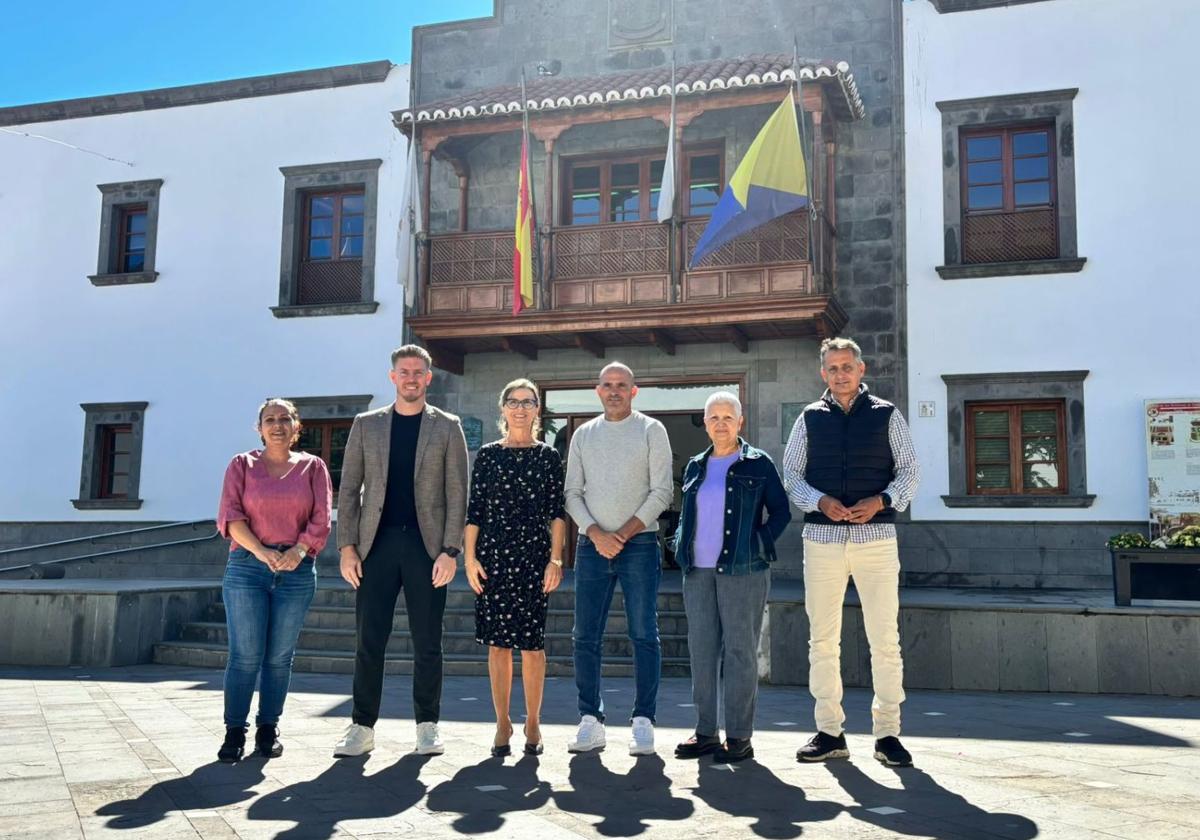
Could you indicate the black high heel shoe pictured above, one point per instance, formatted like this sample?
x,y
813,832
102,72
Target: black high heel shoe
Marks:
x,y
502,750
531,747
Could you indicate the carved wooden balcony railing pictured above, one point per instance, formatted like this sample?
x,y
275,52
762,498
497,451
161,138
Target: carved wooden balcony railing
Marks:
x,y
620,265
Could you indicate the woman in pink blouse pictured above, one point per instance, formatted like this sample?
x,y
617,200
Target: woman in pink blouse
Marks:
x,y
275,511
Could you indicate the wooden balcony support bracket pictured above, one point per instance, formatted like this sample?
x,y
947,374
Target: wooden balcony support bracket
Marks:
x,y
663,341
591,344
445,358
525,348
738,338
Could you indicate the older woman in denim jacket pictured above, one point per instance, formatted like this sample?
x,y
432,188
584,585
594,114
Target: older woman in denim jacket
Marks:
x,y
725,547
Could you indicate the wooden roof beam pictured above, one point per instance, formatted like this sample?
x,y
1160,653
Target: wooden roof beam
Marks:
x,y
519,345
663,341
590,343
737,338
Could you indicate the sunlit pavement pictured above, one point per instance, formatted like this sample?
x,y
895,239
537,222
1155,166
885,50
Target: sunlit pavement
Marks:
x,y
131,752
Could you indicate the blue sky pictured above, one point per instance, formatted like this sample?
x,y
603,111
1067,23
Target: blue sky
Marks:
x,y
62,49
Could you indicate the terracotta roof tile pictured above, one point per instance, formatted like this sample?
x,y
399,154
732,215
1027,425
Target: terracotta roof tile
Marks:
x,y
546,93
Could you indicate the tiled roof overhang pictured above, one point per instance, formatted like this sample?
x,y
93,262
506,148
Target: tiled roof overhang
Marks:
x,y
555,94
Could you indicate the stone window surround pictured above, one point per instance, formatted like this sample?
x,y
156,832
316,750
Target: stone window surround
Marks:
x,y
102,414
113,198
947,6
1007,110
344,407
1008,387
297,182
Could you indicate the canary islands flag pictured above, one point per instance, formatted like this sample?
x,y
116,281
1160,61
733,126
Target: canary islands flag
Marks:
x,y
770,181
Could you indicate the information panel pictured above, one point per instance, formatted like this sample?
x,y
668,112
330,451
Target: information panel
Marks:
x,y
1173,461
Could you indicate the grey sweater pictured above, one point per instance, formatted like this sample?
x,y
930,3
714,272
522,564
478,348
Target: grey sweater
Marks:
x,y
616,470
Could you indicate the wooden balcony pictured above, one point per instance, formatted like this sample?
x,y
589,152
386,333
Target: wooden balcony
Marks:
x,y
624,284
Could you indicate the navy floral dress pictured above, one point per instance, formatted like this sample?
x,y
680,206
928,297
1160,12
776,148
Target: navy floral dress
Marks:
x,y
516,492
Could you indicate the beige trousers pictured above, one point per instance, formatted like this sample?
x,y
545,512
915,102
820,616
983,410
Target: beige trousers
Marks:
x,y
875,567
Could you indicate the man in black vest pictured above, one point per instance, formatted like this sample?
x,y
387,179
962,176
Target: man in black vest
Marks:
x,y
850,465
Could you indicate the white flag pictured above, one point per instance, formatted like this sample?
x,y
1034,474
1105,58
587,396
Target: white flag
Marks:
x,y
666,195
411,219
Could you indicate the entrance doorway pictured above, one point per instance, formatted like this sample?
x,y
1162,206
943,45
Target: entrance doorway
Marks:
x,y
677,403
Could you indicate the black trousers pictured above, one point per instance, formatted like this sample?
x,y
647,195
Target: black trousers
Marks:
x,y
397,561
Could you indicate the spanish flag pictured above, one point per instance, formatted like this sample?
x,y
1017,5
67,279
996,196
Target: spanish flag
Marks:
x,y
770,181
523,255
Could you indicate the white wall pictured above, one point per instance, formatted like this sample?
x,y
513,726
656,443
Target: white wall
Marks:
x,y
1130,317
200,344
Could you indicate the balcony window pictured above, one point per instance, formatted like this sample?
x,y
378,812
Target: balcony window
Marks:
x,y
627,189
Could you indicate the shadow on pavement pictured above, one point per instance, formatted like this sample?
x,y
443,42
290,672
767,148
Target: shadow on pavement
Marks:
x,y
779,810
482,811
624,803
343,792
929,810
208,787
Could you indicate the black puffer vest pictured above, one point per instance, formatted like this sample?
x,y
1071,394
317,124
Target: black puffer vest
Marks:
x,y
849,455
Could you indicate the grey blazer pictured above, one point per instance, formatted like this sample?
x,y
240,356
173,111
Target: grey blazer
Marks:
x,y
439,482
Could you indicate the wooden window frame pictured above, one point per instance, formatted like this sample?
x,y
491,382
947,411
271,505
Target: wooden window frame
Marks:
x,y
123,251
107,434
335,240
328,426
701,151
1008,180
1016,462
644,158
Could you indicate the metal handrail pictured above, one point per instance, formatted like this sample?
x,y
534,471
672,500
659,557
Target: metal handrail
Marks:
x,y
114,551
100,536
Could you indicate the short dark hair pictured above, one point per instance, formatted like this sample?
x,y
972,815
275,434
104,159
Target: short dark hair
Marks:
x,y
412,351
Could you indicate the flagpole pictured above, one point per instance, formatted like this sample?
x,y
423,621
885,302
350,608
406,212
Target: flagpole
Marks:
x,y
675,230
535,235
808,178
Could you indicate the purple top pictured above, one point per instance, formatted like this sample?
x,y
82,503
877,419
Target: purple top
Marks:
x,y
710,511
279,511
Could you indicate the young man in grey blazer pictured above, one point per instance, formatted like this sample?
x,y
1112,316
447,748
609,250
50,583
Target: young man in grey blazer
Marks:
x,y
402,503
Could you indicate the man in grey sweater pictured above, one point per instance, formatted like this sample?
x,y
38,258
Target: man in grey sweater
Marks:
x,y
618,482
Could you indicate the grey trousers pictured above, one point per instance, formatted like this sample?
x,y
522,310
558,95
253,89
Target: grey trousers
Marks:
x,y
725,616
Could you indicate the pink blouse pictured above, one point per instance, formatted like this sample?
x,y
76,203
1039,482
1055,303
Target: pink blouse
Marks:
x,y
279,511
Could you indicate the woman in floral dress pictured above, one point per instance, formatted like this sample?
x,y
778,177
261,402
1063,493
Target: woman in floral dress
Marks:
x,y
516,528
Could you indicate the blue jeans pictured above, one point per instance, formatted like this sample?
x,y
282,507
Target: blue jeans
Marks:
x,y
264,611
638,568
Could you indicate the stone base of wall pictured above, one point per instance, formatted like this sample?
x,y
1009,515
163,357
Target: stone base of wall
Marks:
x,y
1008,555
973,647
94,623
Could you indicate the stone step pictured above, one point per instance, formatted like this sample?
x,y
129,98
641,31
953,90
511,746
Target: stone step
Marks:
x,y
557,620
206,655
455,641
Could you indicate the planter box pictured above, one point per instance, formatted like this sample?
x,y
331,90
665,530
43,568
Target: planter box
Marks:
x,y
1169,574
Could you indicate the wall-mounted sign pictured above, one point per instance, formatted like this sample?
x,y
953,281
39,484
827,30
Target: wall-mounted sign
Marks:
x,y
473,431
1173,464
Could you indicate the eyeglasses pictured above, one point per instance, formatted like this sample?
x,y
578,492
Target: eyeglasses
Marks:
x,y
528,405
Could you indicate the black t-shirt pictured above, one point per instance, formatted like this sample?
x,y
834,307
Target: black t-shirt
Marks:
x,y
399,503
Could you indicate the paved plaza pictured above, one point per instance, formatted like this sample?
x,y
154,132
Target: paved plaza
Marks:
x,y
130,753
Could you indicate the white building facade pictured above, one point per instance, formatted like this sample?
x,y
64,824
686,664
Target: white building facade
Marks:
x,y
171,258
1048,223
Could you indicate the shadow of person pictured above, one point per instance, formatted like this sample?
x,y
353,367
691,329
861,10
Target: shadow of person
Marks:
x,y
624,802
343,792
208,787
929,809
751,790
482,811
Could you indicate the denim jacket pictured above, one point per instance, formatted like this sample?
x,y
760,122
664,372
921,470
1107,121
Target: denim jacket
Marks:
x,y
752,484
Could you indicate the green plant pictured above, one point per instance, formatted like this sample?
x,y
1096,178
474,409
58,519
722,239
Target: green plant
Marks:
x,y
1127,540
1188,537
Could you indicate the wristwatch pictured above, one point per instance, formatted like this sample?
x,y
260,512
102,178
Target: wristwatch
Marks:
x,y
303,552
557,561
451,552
887,500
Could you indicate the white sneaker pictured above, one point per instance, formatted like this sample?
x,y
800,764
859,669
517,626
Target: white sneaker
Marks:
x,y
429,742
641,740
357,740
589,736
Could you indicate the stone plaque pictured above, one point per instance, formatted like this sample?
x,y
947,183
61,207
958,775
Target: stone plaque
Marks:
x,y
473,431
639,23
789,413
